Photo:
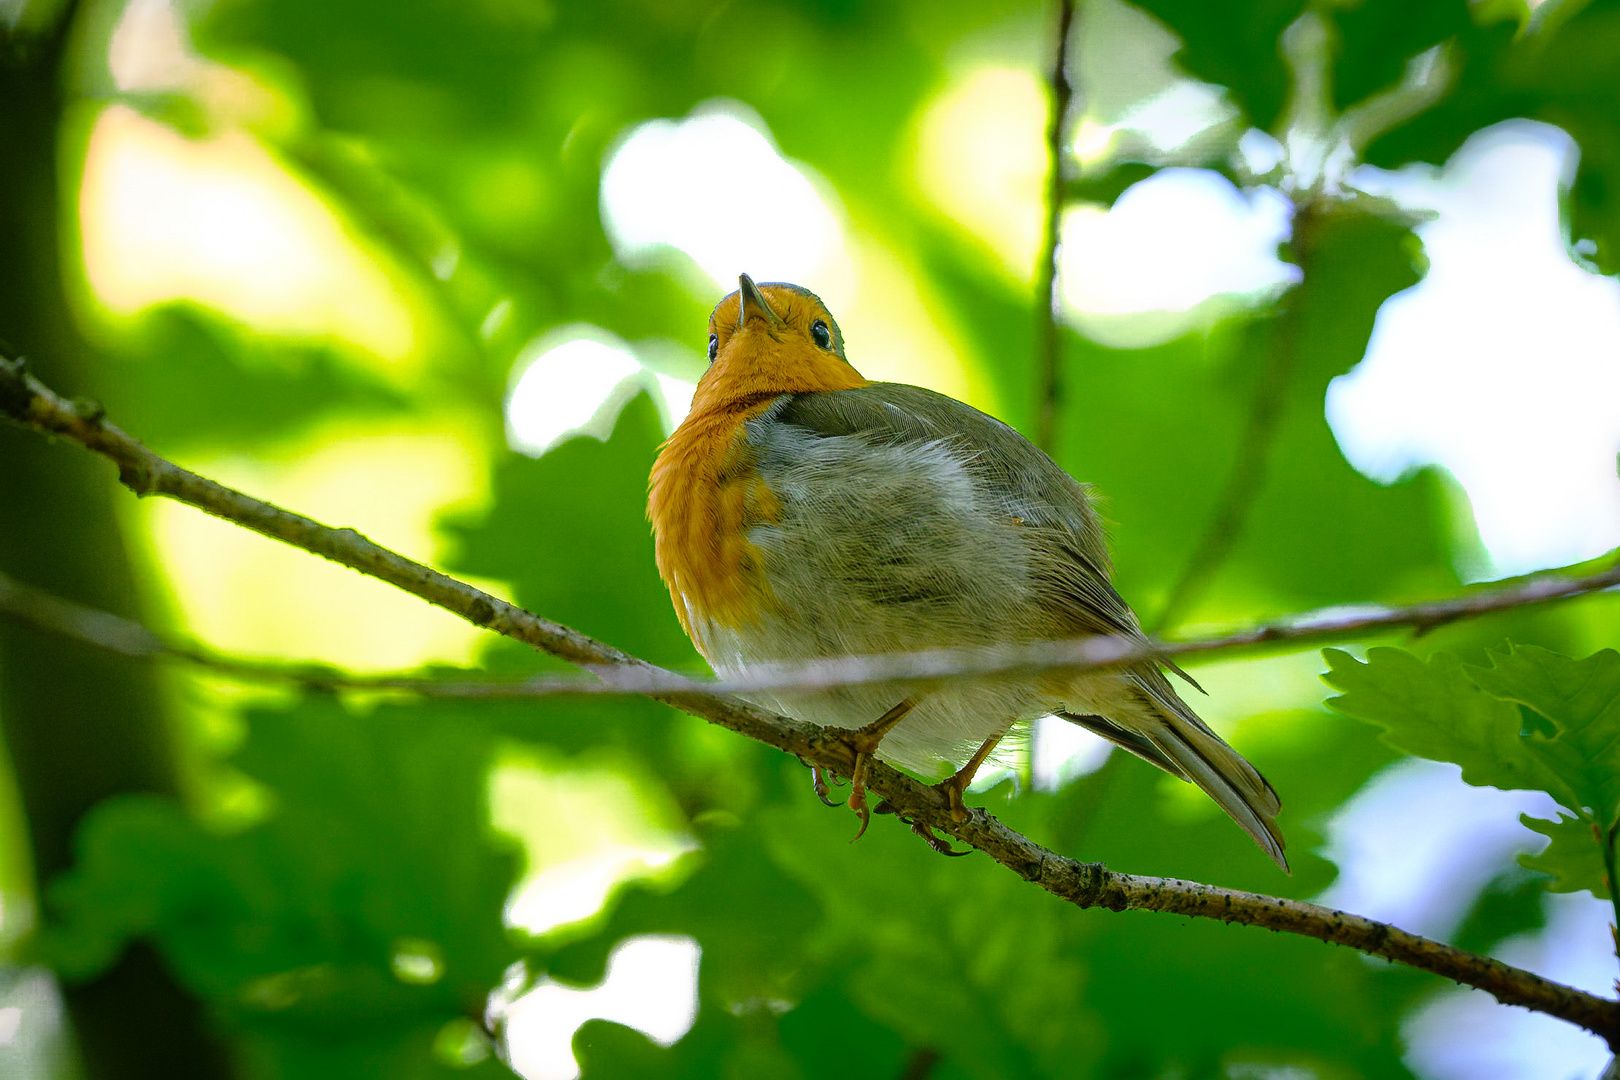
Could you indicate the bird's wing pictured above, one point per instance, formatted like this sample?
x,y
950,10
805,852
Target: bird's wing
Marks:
x,y
1051,508
1064,540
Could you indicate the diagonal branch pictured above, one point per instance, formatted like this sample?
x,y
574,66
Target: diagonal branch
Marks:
x,y
1047,301
24,399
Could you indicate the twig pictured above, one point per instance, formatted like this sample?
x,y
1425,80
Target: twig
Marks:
x,y
1047,301
25,399
934,666
129,638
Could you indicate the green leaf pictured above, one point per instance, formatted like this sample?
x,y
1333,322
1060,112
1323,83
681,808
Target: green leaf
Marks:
x,y
1471,715
569,532
1240,48
720,1045
364,913
1574,858
1235,47
1378,37
1582,699
751,951
1513,903
1435,710
182,376
1559,70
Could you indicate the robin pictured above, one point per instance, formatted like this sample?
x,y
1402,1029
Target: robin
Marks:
x,y
803,512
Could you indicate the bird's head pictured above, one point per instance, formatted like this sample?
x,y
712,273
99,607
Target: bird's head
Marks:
x,y
773,339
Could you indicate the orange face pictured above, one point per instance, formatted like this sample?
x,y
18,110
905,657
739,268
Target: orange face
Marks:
x,y
772,339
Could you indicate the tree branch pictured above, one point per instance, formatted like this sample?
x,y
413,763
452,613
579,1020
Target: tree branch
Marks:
x,y
1048,302
25,399
927,667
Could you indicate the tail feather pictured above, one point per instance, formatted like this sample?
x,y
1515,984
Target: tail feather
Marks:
x,y
1169,734
1225,777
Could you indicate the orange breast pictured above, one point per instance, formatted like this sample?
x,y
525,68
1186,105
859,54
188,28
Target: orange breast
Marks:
x,y
703,497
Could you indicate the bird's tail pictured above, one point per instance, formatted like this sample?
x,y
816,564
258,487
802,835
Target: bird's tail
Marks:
x,y
1181,744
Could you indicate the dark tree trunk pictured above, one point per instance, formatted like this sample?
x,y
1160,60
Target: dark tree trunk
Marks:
x,y
79,724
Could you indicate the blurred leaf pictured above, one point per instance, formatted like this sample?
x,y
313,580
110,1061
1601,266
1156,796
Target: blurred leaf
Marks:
x,y
569,533
1512,904
1559,71
956,955
752,923
1485,90
1582,699
720,1045
1434,709
1319,532
404,1053
377,849
752,949
1378,37
1236,48
183,377
866,1050
1568,72
1355,255
1105,188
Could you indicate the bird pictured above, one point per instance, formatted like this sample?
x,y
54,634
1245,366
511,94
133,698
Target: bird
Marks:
x,y
801,511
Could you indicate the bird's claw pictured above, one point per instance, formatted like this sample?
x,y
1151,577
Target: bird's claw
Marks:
x,y
857,803
818,781
864,742
943,847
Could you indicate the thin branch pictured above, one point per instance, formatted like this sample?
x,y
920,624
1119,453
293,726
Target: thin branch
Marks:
x,y
1048,302
1266,407
127,637
25,399
929,667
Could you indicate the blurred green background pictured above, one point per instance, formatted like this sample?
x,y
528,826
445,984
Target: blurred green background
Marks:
x,y
441,272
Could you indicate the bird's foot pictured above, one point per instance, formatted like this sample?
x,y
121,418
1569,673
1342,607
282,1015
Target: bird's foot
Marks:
x,y
864,742
818,782
952,789
957,784
939,844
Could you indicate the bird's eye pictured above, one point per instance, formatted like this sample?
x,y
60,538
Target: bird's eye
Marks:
x,y
822,335
714,347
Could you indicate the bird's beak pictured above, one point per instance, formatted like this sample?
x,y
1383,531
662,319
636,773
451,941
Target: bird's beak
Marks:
x,y
751,304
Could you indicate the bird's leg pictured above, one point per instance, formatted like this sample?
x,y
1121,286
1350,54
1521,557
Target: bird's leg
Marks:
x,y
818,781
864,741
957,784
